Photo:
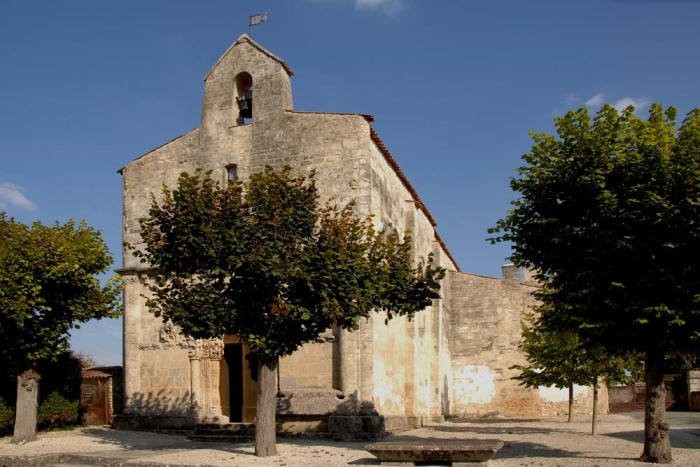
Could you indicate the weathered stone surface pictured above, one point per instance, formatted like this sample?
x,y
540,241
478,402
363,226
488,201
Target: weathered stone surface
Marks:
x,y
316,402
345,424
397,424
152,422
473,450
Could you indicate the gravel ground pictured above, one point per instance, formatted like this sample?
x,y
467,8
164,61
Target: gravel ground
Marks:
x,y
528,442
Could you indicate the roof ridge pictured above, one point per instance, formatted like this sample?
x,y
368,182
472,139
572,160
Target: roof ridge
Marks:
x,y
368,117
246,38
142,155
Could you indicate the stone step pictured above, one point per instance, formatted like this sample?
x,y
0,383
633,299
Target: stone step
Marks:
x,y
227,426
222,438
223,431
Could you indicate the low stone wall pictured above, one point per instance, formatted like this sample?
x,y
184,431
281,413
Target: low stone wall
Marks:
x,y
626,398
159,423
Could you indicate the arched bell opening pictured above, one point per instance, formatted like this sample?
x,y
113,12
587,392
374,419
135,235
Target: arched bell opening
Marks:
x,y
244,98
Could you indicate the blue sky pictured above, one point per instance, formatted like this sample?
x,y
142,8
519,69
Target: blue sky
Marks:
x,y
455,86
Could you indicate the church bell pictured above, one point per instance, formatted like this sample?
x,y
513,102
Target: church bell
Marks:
x,y
245,104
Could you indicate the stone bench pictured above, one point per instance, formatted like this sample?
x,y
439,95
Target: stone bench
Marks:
x,y
444,451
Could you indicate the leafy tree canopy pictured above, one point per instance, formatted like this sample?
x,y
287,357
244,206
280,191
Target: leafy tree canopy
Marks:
x,y
48,286
560,359
265,261
608,218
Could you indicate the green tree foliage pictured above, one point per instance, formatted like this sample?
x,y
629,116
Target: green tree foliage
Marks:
x,y
7,415
608,218
47,287
57,411
559,358
263,260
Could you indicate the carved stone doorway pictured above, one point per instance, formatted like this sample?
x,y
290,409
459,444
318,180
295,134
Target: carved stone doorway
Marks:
x,y
238,385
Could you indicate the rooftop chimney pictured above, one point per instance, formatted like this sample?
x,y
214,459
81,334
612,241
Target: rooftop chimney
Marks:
x,y
511,273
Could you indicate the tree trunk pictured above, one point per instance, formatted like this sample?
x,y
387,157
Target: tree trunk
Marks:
x,y
27,405
571,401
594,418
657,443
265,428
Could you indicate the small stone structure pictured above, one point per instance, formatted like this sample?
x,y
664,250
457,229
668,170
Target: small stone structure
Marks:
x,y
96,397
101,394
441,451
452,359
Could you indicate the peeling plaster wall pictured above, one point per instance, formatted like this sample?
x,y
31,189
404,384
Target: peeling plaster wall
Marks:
x,y
410,367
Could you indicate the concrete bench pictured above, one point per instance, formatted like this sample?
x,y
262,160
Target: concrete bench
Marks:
x,y
442,451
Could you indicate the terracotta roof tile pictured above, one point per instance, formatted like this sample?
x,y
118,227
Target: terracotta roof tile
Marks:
x,y
87,374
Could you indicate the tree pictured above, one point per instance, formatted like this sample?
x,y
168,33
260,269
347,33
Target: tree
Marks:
x,y
47,287
264,261
558,358
608,218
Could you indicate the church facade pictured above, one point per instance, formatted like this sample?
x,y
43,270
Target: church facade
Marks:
x,y
452,359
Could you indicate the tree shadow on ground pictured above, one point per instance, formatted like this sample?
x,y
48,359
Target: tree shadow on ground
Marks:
x,y
518,449
495,430
134,441
525,450
139,440
684,438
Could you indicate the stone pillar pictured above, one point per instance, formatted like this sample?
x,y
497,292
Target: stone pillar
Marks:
x,y
195,355
365,349
348,344
205,357
133,309
214,354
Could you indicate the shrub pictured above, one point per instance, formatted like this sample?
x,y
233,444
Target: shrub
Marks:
x,y
56,411
7,417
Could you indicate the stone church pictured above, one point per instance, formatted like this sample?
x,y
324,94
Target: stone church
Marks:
x,y
452,359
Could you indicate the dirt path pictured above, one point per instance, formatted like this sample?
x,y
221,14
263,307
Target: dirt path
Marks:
x,y
537,442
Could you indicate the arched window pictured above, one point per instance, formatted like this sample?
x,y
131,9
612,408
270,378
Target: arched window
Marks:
x,y
244,98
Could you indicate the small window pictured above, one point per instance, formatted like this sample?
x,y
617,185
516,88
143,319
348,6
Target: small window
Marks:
x,y
231,173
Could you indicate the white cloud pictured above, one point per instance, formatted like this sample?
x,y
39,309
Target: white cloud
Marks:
x,y
595,101
621,104
625,102
388,7
11,195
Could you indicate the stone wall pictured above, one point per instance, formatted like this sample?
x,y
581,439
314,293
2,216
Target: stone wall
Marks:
x,y
484,334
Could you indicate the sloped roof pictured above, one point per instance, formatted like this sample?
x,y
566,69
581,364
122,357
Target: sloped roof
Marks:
x,y
121,170
407,183
90,374
246,38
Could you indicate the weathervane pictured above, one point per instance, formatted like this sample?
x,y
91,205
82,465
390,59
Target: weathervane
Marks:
x,y
256,19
